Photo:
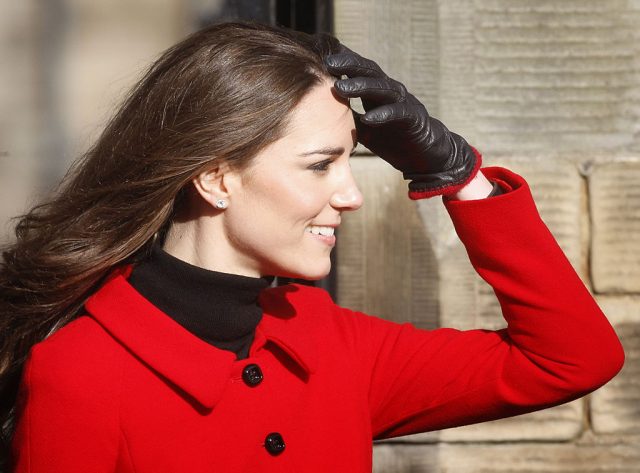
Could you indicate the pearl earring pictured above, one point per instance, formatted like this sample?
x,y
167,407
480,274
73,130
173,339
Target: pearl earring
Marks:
x,y
221,204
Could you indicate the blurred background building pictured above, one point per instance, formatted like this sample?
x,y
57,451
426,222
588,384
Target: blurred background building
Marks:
x,y
548,88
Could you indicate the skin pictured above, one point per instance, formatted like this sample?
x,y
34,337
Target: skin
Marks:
x,y
272,203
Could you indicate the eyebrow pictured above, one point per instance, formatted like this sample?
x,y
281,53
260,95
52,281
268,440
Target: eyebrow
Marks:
x,y
327,150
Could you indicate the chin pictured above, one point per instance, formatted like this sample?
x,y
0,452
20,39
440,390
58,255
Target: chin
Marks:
x,y
315,277
307,274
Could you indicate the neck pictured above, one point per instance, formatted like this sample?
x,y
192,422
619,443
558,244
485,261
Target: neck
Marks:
x,y
199,238
218,307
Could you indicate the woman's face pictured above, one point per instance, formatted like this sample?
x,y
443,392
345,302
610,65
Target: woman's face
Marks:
x,y
284,208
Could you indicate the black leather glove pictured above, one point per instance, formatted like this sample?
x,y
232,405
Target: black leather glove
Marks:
x,y
397,127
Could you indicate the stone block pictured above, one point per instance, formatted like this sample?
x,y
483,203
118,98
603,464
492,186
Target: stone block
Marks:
x,y
614,188
456,105
511,76
555,75
405,459
615,408
386,266
559,424
591,454
402,37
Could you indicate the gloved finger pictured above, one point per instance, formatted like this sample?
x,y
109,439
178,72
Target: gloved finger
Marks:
x,y
352,64
398,113
372,89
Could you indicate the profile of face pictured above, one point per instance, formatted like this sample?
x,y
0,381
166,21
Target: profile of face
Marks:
x,y
284,208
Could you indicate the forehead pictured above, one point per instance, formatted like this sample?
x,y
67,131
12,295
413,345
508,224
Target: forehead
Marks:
x,y
322,115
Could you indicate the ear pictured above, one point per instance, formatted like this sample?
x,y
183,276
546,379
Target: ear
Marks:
x,y
213,184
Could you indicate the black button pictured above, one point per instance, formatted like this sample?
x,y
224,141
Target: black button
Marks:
x,y
252,375
274,443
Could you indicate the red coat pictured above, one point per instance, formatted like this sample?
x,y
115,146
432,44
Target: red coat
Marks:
x,y
126,389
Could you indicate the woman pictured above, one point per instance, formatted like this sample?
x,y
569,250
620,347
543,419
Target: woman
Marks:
x,y
139,297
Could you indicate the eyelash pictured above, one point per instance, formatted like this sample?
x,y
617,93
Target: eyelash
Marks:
x,y
322,166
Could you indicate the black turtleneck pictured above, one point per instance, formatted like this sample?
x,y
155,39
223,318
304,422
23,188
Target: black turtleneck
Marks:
x,y
222,309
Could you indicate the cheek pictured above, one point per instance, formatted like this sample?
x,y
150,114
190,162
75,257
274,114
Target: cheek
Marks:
x,y
288,197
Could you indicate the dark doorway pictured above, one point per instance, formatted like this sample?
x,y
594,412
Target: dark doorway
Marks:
x,y
310,16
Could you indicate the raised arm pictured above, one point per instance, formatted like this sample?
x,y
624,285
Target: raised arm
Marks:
x,y
557,346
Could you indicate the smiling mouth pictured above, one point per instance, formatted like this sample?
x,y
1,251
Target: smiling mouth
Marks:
x,y
320,230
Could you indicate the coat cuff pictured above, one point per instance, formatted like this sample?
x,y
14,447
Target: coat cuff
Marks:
x,y
516,204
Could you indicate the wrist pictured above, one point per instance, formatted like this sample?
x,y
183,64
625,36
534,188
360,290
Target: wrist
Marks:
x,y
477,188
423,186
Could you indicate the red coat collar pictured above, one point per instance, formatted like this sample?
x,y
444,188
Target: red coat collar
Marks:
x,y
200,369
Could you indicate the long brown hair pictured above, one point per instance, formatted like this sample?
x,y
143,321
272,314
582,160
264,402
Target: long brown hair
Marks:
x,y
223,93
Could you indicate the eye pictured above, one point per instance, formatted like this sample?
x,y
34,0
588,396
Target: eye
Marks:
x,y
322,166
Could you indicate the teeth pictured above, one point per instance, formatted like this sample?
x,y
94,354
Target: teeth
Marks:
x,y
317,230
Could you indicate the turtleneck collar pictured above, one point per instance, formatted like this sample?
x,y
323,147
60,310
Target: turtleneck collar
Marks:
x,y
220,308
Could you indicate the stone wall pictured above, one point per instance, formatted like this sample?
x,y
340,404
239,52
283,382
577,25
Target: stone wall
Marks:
x,y
551,90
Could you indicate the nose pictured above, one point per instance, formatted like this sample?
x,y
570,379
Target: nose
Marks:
x,y
348,195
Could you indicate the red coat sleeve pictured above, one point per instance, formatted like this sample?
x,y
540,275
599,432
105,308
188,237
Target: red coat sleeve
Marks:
x,y
68,414
557,346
